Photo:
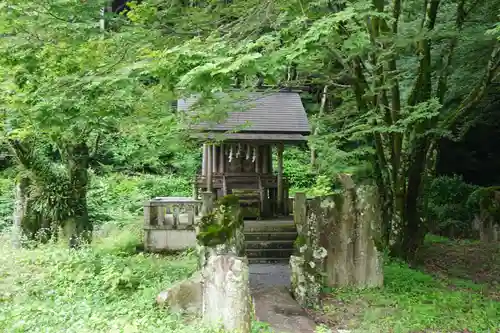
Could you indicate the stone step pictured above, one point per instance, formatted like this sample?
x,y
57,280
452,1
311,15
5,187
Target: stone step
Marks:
x,y
269,244
269,253
270,236
268,260
269,227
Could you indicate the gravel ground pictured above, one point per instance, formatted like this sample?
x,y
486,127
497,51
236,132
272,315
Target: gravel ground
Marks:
x,y
269,275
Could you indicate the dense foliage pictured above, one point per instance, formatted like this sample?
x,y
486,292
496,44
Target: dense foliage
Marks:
x,y
89,131
385,81
449,211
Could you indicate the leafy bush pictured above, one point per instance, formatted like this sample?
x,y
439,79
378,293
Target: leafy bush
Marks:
x,y
324,185
112,197
296,168
91,290
447,209
120,198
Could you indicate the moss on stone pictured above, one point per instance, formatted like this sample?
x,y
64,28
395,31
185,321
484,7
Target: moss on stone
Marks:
x,y
219,226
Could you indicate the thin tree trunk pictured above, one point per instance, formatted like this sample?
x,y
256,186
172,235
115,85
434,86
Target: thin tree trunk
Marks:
x,y
20,206
78,228
316,128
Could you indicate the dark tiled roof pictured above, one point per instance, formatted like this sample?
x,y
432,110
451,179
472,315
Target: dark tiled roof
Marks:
x,y
256,112
269,137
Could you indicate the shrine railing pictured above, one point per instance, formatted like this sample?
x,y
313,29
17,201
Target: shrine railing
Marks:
x,y
171,213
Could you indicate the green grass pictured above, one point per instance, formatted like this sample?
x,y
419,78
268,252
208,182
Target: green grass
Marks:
x,y
413,301
106,287
110,288
99,289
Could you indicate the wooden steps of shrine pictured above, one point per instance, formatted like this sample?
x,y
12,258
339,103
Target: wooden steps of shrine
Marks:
x,y
270,240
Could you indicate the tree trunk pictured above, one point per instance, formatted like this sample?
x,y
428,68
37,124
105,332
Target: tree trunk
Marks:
x,y
412,231
316,128
20,207
78,228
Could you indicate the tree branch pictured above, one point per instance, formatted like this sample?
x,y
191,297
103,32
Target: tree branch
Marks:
x,y
475,96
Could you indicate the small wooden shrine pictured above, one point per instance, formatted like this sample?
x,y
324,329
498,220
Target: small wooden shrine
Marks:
x,y
241,162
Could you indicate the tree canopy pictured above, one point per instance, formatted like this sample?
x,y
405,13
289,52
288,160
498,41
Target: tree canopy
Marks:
x,y
395,77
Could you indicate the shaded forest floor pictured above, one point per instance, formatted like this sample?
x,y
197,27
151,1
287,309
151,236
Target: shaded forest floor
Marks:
x,y
473,261
456,289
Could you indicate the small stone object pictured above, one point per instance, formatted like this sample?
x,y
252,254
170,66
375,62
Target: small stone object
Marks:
x,y
184,296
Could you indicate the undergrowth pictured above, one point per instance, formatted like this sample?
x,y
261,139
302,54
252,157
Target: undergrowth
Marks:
x,y
97,289
413,301
106,287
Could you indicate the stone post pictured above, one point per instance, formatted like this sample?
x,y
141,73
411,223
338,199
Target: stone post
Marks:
x,y
226,293
307,264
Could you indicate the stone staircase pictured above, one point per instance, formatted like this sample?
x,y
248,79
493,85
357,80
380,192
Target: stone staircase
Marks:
x,y
269,241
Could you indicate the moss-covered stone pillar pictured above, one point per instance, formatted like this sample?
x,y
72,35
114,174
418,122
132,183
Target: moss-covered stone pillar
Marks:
x,y
220,230
307,265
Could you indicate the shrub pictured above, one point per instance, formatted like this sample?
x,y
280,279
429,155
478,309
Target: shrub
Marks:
x,y
296,168
447,210
120,198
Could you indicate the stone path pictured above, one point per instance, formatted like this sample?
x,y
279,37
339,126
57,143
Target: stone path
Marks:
x,y
273,303
269,275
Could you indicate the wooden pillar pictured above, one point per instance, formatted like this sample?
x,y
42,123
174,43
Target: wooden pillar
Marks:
x,y
209,168
280,178
221,159
204,161
214,158
265,156
257,159
270,159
